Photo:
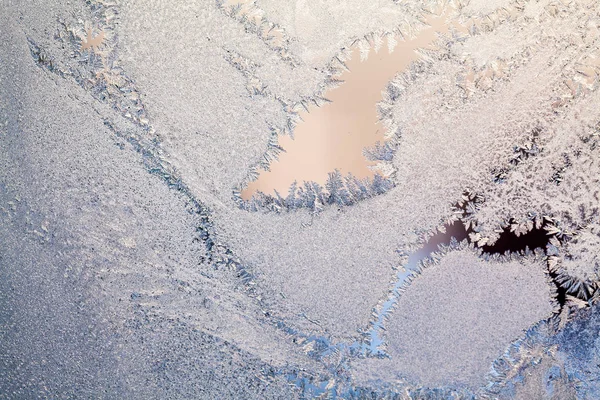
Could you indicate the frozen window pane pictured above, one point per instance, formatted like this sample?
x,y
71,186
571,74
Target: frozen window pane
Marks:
x,y
299,199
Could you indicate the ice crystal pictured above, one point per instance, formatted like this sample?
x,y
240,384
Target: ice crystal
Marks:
x,y
465,265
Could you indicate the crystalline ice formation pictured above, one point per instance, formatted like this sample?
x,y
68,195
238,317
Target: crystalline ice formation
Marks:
x,y
128,269
426,337
551,364
581,257
315,25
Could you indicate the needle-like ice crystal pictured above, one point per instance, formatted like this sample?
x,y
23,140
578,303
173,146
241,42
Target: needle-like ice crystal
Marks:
x,y
272,199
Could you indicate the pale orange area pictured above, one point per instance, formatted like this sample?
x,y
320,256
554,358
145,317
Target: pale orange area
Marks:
x,y
334,135
92,42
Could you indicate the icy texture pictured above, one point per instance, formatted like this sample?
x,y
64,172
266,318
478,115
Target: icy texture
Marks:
x,y
427,342
551,364
128,269
321,28
285,250
95,251
581,254
579,349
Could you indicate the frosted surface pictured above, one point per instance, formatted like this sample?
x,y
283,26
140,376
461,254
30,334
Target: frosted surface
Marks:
x,y
426,335
131,267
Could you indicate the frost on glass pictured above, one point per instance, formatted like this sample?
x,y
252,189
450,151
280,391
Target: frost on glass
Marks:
x,y
459,261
